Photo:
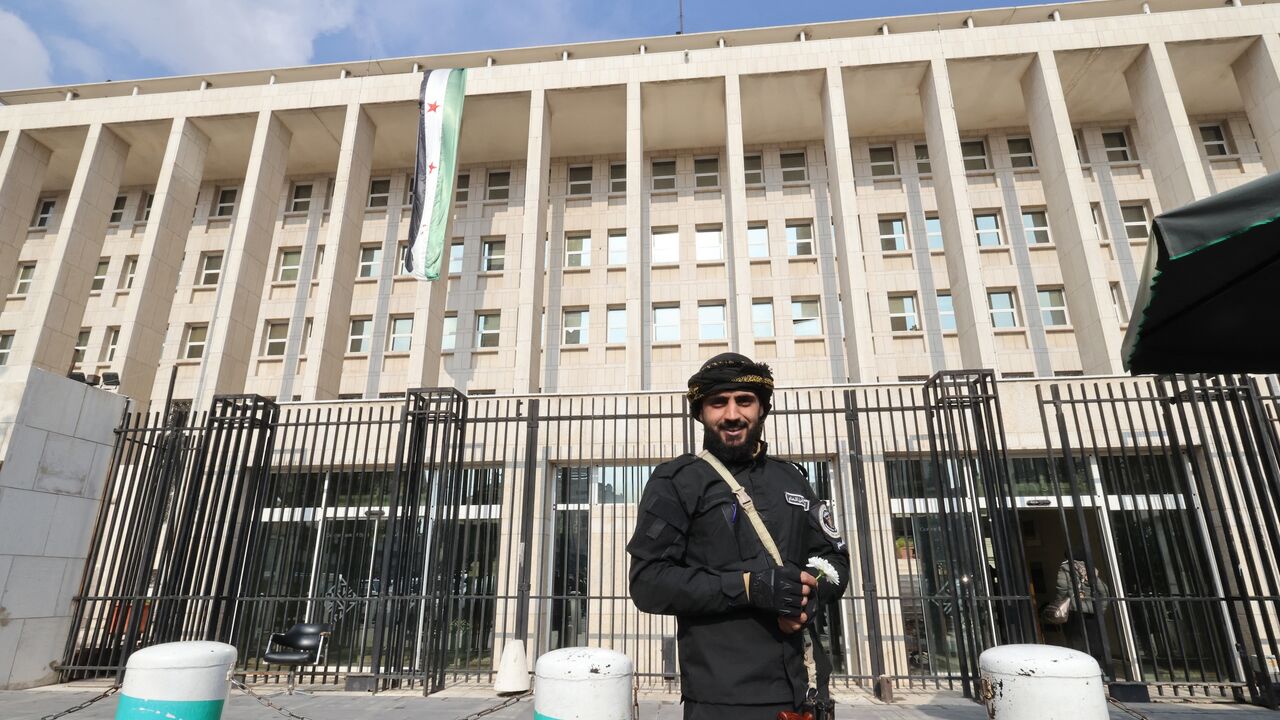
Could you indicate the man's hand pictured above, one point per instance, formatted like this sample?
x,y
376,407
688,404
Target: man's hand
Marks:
x,y
780,590
810,587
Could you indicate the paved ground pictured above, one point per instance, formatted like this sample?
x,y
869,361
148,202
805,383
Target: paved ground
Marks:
x,y
450,705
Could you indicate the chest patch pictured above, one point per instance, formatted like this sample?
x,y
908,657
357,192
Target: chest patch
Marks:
x,y
798,500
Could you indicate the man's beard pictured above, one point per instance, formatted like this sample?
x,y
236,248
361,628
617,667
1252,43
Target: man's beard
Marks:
x,y
733,454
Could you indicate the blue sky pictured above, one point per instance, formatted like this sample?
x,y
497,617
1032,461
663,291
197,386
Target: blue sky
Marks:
x,y
55,42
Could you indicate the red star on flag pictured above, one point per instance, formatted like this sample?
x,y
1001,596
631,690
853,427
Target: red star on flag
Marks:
x,y
432,107
431,168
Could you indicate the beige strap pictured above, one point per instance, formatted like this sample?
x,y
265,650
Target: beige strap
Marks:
x,y
747,506
811,668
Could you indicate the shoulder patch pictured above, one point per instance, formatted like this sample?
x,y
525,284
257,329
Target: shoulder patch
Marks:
x,y
798,500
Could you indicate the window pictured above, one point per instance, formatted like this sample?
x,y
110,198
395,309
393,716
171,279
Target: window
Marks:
x,y
193,343
1004,309
1082,150
576,327
708,246
145,212
26,271
328,193
922,160
370,261
224,203
210,269
275,338
81,347
753,169
400,339
306,336
933,231
974,153
666,246
358,338
987,226
758,240
893,234
455,257
130,270
617,247
493,255
379,193
1053,306
1214,140
580,180
462,188
616,326
946,312
804,318
44,213
117,210
711,322
1020,153
762,318
288,265
577,250
617,177
6,345
498,186
449,333
1035,226
1117,299
488,326
799,239
666,324
883,161
706,172
300,198
1135,221
1099,227
794,167
902,313
1116,143
100,275
664,174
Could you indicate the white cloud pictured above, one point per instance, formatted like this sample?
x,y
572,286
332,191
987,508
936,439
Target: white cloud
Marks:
x,y
196,36
85,62
24,61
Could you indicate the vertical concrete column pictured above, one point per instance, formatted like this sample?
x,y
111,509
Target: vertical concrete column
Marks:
x,y
23,162
951,188
235,315
59,296
851,270
1084,275
338,272
428,322
638,334
307,272
146,316
1162,119
740,336
528,314
1257,73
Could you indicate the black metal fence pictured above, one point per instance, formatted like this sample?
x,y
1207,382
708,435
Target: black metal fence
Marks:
x,y
430,531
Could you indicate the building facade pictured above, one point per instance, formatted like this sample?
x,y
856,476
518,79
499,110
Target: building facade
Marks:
x,y
860,204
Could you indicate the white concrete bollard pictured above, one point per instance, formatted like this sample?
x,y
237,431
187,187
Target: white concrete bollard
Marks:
x,y
1041,682
180,681
583,683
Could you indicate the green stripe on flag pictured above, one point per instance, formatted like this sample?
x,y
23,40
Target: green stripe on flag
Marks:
x,y
455,92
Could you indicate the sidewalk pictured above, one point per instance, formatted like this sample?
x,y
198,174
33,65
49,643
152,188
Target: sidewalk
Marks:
x,y
456,704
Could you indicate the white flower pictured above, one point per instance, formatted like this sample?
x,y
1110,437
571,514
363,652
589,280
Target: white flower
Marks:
x,y
825,570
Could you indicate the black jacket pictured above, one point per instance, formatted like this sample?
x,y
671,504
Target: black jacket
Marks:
x,y
691,545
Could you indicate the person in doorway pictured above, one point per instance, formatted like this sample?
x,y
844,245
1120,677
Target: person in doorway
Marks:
x,y
1088,607
731,562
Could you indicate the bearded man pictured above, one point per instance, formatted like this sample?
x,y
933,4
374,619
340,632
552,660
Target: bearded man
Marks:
x,y
722,542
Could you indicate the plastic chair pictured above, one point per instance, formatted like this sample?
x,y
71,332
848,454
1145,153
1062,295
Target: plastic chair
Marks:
x,y
300,645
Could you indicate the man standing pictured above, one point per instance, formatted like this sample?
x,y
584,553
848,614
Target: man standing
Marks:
x,y
747,647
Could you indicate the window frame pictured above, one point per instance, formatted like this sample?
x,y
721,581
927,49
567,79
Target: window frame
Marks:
x,y
1032,233
908,314
398,334
758,308
449,332
799,320
616,247
372,266
1012,310
611,315
985,157
1049,313
670,312
929,236
282,267
706,179
702,244
614,179
223,209
658,182
794,241
877,166
455,258
462,188
755,231
128,271
270,341
100,272
364,338
491,261
948,312
580,258
713,323
1021,160
757,172
924,165
483,333
581,326
45,208
377,199
1129,225
798,173
202,269
80,350
295,200
117,210
659,239
495,191
188,343
1221,141
901,243
1126,147
6,346
978,231
24,279
580,187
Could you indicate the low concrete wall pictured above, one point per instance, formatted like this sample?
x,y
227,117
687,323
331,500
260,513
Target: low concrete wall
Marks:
x,y
56,436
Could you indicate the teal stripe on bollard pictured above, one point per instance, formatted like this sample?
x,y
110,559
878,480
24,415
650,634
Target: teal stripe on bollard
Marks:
x,y
132,708
539,716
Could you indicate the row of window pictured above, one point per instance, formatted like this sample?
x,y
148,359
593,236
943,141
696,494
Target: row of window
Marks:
x,y
986,225
1002,304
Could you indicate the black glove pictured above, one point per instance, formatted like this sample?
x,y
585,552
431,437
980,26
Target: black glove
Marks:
x,y
778,590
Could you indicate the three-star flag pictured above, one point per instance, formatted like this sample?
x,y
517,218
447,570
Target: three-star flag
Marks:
x,y
438,126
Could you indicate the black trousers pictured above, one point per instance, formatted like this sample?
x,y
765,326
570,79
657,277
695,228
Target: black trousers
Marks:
x,y
708,711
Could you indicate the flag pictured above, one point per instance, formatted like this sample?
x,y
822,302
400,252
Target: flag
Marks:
x,y
440,117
